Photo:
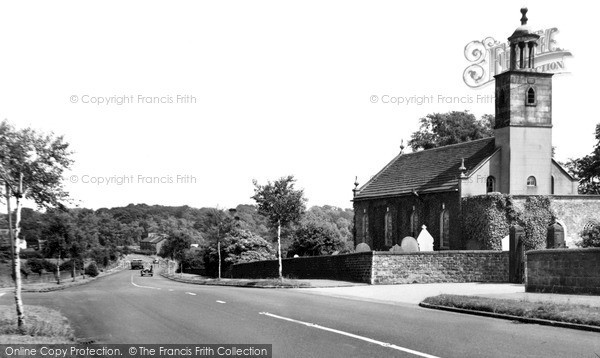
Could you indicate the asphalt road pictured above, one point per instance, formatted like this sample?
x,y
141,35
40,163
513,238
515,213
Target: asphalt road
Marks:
x,y
127,308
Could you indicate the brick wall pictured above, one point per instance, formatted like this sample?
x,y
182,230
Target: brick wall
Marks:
x,y
350,267
388,268
440,266
563,271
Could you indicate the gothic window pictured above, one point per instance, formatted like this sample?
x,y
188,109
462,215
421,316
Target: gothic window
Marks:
x,y
388,228
552,184
414,223
531,97
365,226
490,184
531,181
445,229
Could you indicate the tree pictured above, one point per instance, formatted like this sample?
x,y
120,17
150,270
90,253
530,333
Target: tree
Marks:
x,y
587,168
31,166
237,246
281,204
439,129
60,239
177,244
312,239
590,237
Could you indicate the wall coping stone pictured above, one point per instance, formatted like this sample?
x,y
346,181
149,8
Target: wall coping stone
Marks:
x,y
442,252
562,251
563,196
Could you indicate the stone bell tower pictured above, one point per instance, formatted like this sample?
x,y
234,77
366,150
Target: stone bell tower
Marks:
x,y
523,128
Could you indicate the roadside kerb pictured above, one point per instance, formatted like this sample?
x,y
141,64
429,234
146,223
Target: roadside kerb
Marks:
x,y
540,321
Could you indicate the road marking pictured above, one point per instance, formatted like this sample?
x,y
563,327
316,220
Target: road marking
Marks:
x,y
383,344
221,301
171,290
2,294
191,293
140,286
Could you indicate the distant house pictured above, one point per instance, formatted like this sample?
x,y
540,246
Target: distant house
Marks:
x,y
153,242
5,240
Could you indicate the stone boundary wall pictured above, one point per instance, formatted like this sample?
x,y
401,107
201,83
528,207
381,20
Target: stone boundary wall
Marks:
x,y
563,271
440,266
354,267
388,268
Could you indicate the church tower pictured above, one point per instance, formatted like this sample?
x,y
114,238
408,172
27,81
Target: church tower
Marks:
x,y
523,128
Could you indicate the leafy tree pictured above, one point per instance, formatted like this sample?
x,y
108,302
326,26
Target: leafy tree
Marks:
x,y
590,237
237,246
31,166
60,237
281,204
439,129
177,244
587,168
312,239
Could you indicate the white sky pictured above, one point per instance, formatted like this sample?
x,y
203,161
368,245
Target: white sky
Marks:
x,y
281,87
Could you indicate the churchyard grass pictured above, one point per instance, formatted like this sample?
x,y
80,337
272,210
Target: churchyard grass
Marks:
x,y
563,312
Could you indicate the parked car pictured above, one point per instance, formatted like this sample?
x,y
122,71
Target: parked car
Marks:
x,y
137,264
147,271
155,261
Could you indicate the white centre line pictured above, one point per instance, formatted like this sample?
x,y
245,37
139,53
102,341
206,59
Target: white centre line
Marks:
x,y
191,293
2,294
171,290
383,344
221,301
140,286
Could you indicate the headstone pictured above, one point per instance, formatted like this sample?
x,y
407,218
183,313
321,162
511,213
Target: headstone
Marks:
x,y
506,243
556,236
409,244
516,256
362,247
425,239
396,248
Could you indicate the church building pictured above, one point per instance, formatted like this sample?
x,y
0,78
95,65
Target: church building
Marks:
x,y
426,187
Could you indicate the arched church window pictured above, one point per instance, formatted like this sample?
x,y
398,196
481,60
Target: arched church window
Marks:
x,y
490,184
365,226
388,228
445,228
414,224
531,181
552,184
531,96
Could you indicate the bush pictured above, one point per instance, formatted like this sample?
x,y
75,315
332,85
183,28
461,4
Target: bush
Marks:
x,y
590,237
40,265
92,269
68,265
312,239
28,254
237,247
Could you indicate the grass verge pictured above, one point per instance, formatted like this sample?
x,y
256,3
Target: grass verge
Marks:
x,y
570,313
42,325
261,283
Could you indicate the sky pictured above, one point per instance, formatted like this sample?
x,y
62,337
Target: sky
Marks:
x,y
187,102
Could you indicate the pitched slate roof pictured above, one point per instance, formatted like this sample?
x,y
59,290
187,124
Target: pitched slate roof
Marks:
x,y
427,170
154,238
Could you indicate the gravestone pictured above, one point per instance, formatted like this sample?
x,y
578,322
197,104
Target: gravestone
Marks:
x,y
556,237
409,244
506,243
362,247
425,239
396,248
516,256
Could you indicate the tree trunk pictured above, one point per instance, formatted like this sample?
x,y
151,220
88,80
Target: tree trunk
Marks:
x,y
219,252
279,249
58,269
16,260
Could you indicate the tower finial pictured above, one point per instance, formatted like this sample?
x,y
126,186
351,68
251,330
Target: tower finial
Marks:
x,y
524,17
402,146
